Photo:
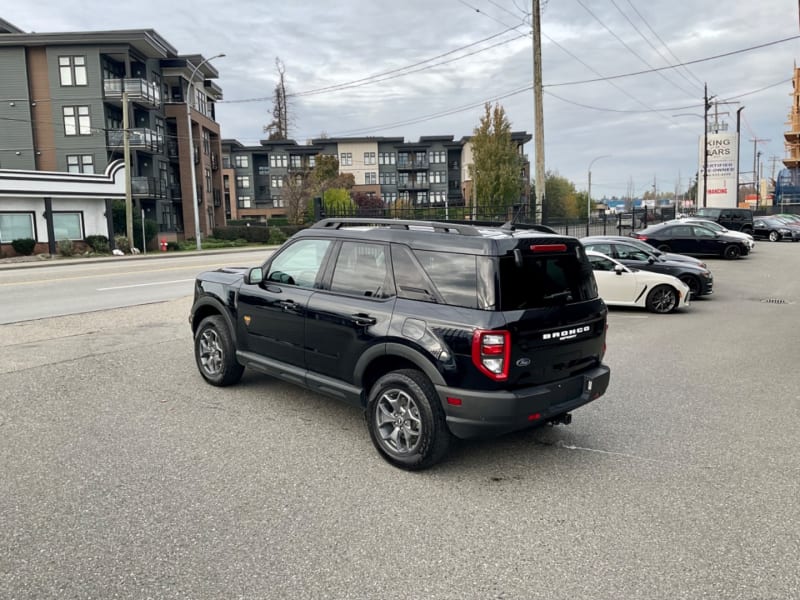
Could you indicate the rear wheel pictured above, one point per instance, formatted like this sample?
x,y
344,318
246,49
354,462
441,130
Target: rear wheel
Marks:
x,y
774,236
693,283
732,251
215,353
406,421
662,299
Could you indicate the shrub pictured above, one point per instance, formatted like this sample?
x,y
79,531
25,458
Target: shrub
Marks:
x,y
122,243
257,234
173,246
66,248
98,243
276,236
24,246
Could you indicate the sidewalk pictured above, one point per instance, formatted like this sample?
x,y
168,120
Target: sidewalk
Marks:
x,y
47,260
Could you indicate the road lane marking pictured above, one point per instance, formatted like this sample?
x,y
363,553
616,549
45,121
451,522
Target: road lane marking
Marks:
x,y
200,269
137,285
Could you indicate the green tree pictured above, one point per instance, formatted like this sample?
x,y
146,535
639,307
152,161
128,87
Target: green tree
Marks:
x,y
338,203
561,200
325,176
496,163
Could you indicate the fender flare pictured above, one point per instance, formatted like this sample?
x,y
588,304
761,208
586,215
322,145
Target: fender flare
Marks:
x,y
410,354
218,308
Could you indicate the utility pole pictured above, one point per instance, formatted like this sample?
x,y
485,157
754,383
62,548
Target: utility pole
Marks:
x,y
126,152
706,105
756,156
538,110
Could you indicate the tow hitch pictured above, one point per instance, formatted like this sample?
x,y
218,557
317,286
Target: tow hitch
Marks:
x,y
562,419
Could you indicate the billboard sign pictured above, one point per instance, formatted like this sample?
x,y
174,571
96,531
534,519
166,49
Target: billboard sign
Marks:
x,y
723,176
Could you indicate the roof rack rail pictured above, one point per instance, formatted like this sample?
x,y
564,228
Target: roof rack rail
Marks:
x,y
505,228
438,226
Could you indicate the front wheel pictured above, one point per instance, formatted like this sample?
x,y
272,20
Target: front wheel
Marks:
x,y
664,248
693,283
774,236
406,421
732,252
662,299
215,353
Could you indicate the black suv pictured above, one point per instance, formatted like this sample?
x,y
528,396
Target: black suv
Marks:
x,y
735,219
435,329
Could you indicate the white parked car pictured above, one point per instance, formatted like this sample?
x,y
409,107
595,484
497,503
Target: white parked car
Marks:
x,y
619,285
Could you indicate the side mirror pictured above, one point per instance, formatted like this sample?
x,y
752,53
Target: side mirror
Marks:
x,y
650,260
254,276
619,269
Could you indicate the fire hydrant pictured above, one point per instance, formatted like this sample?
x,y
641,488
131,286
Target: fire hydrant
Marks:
x,y
163,245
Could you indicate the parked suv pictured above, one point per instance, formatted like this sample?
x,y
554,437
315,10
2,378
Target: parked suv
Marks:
x,y
434,329
735,219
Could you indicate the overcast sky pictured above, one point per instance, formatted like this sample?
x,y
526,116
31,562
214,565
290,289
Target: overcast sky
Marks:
x,y
422,67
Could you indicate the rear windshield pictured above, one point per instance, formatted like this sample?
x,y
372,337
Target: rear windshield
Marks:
x,y
545,280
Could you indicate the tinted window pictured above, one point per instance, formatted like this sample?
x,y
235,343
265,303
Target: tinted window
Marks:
x,y
454,275
601,248
299,263
709,212
545,281
626,252
361,270
600,263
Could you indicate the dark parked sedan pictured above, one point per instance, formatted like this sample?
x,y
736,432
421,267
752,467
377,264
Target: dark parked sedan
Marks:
x,y
627,251
647,247
692,239
775,229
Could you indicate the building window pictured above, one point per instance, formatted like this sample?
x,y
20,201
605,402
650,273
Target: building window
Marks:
x,y
346,159
241,161
77,120
206,142
226,161
438,157
244,201
422,197
388,178
277,202
422,178
369,158
437,197
243,182
276,181
404,196
386,158
68,225
72,70
263,170
80,163
312,162
402,179
208,180
389,197
295,161
439,177
370,178
16,226
278,160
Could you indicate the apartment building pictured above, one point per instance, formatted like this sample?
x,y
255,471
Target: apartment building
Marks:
x,y
61,109
433,171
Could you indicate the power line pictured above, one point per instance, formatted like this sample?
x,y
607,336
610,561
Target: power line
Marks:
x,y
690,62
629,49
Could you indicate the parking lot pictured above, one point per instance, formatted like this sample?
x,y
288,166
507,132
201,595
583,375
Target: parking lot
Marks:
x,y
125,476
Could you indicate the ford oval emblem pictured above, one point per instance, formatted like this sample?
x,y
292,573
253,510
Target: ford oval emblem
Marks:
x,y
523,362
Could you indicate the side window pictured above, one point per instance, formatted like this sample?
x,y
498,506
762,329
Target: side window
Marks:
x,y
361,271
601,248
630,253
299,264
680,231
702,232
600,263
411,281
454,275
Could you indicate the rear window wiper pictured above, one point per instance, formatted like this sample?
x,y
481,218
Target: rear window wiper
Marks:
x,y
565,295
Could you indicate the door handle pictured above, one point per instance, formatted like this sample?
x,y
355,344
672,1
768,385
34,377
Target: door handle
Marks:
x,y
288,305
363,320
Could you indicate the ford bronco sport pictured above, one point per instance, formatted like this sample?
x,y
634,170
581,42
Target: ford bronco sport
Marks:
x,y
434,329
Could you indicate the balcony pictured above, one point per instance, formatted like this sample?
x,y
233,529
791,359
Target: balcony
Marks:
x,y
413,185
139,139
217,197
412,164
175,192
148,187
214,162
139,91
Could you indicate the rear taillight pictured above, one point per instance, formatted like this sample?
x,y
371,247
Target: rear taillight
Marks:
x,y
491,353
639,236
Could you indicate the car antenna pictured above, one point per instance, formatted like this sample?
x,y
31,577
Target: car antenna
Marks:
x,y
510,225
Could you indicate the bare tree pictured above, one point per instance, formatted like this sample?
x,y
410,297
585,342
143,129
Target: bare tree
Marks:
x,y
278,129
296,194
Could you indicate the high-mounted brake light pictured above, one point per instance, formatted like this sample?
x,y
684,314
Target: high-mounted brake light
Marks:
x,y
491,353
549,248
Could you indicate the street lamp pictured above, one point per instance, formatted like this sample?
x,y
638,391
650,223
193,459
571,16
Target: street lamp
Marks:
x,y
189,95
589,194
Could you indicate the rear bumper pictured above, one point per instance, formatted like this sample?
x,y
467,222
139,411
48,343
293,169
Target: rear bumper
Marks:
x,y
488,414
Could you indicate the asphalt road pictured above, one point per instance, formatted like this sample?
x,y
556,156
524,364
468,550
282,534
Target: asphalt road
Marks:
x,y
40,290
125,476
